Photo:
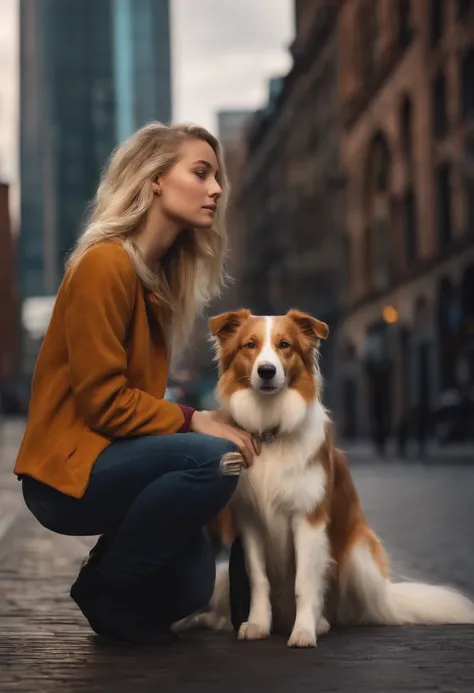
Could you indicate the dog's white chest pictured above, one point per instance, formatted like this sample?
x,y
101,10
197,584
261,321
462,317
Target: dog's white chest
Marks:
x,y
281,482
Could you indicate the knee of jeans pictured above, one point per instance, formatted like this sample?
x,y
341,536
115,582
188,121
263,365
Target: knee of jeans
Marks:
x,y
36,505
208,455
209,450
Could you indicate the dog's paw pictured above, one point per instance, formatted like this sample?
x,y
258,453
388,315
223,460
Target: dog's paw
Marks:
x,y
301,637
207,620
252,631
323,626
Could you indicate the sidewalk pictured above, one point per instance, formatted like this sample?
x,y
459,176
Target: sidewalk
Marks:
x,y
456,452
46,646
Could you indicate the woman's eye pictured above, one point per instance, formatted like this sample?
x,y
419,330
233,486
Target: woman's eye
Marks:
x,y
200,174
251,345
284,345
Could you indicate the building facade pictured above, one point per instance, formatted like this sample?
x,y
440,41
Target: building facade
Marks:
x,y
91,73
142,61
9,318
292,191
232,129
406,338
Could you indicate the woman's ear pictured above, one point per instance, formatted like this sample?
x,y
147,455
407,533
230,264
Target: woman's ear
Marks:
x,y
156,187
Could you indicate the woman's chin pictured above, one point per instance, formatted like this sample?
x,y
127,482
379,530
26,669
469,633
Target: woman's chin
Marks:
x,y
204,224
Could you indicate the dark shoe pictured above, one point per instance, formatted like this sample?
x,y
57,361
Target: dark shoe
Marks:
x,y
239,586
97,552
118,612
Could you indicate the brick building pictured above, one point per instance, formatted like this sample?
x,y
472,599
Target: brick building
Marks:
x,y
291,196
407,90
9,318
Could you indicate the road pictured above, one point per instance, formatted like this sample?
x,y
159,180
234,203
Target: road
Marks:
x,y
425,515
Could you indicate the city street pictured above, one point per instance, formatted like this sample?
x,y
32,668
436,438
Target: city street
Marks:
x,y
425,515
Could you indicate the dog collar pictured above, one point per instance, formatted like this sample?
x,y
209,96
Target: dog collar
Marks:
x,y
268,436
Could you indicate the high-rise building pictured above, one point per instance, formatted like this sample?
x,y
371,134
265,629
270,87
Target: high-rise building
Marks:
x,y
8,295
91,73
142,63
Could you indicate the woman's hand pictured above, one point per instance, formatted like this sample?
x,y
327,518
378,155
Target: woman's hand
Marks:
x,y
208,422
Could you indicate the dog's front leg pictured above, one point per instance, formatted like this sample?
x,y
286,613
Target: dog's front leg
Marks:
x,y
260,616
312,562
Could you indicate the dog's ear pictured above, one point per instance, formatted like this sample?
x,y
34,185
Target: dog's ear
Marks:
x,y
312,328
225,325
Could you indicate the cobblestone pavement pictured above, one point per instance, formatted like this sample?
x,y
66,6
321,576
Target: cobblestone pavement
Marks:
x,y
425,516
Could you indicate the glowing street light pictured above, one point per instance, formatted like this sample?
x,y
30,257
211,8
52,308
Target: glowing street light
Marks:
x,y
390,315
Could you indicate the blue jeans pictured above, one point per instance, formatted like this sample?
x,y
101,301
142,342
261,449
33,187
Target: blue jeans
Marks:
x,y
153,495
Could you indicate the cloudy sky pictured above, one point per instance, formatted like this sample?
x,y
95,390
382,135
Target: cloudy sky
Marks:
x,y
224,51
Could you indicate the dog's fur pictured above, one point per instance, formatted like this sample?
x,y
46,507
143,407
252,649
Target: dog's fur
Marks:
x,y
312,559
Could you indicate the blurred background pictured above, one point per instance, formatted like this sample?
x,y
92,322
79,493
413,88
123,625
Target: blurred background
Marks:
x,y
348,131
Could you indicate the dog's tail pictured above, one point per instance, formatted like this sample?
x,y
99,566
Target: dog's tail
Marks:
x,y
368,597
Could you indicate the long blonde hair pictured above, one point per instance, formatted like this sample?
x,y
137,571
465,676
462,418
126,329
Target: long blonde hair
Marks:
x,y
191,273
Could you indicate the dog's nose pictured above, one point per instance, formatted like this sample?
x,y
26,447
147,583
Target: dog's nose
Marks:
x,y
266,371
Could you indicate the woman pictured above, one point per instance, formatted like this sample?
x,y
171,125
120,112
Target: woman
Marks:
x,y
103,452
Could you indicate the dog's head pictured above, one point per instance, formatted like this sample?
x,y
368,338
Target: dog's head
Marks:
x,y
267,366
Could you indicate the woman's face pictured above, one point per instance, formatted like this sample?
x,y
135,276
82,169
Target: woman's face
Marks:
x,y
189,192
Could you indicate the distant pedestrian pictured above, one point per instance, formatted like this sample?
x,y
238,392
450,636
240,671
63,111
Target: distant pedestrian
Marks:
x,y
103,451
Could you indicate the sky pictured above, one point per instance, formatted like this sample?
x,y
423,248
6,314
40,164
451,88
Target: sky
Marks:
x,y
9,96
223,53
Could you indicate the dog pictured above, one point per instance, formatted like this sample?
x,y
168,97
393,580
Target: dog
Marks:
x,y
311,557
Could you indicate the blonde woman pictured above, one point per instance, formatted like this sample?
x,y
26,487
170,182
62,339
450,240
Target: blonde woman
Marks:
x,y
103,453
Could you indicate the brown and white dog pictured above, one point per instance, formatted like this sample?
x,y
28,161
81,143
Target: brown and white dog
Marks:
x,y
311,557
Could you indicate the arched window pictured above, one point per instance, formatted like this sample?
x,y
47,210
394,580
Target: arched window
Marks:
x,y
467,85
444,204
408,217
448,321
440,114
379,164
378,213
406,126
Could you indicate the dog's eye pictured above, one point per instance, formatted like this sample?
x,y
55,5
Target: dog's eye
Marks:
x,y
284,345
250,345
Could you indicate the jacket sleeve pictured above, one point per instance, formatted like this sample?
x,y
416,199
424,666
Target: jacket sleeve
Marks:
x,y
100,299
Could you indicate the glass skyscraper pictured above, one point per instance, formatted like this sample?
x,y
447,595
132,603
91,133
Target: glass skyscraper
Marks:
x,y
92,71
142,63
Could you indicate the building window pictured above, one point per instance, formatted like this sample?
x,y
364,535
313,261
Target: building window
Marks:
x,y
411,245
467,323
382,252
348,262
467,85
404,28
380,164
368,32
469,196
368,258
448,322
439,106
378,213
443,196
406,119
436,21
464,8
